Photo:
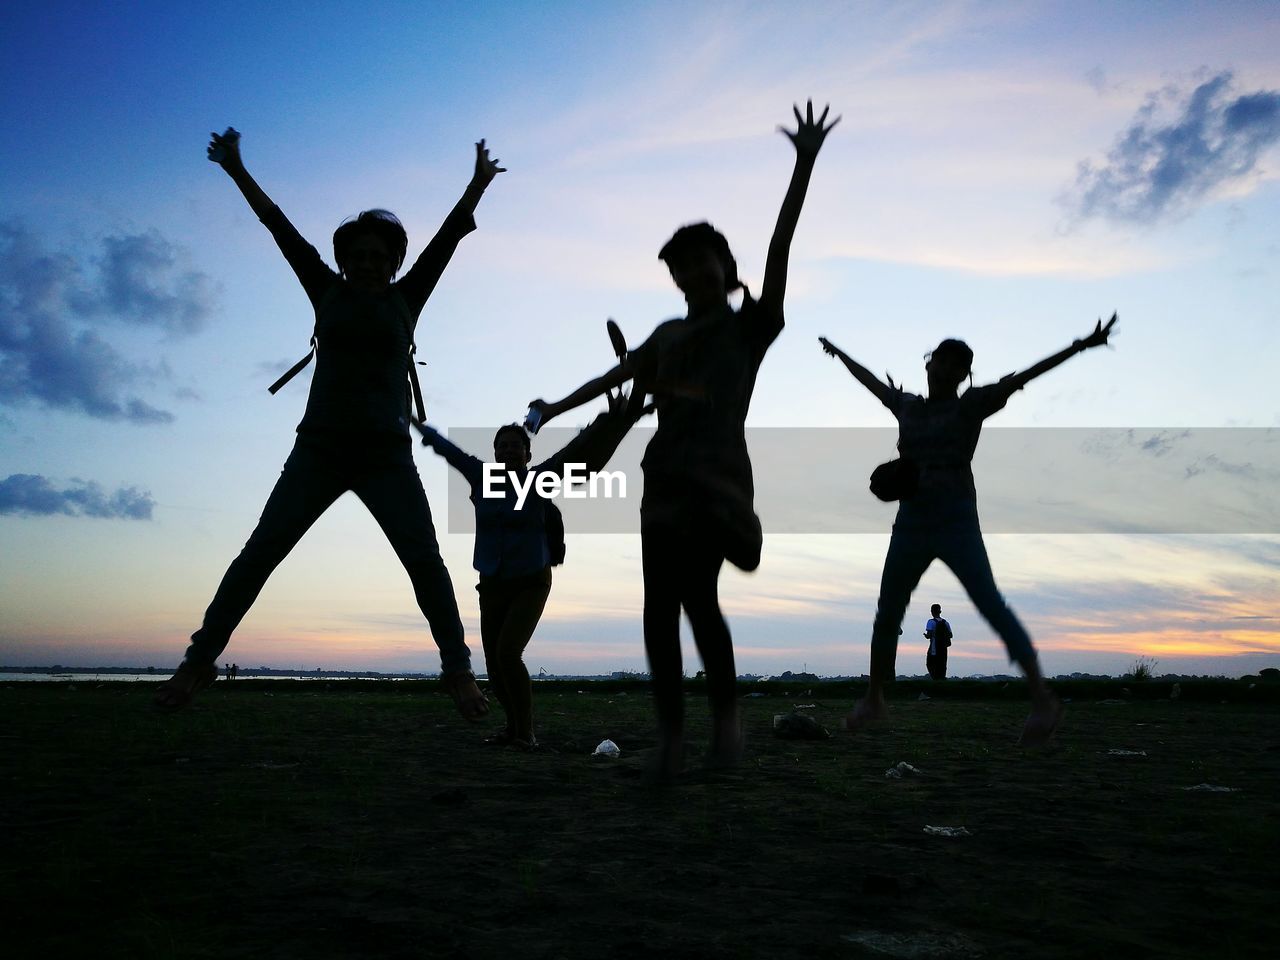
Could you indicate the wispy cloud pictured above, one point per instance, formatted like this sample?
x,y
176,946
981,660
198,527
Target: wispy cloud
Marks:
x,y
1160,167
54,308
33,495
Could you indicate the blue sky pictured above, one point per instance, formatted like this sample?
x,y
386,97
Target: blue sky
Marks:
x,y
1003,172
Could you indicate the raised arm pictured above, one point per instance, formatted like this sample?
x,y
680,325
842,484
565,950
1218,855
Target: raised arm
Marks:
x,y
467,465
882,391
416,285
807,139
224,150
1097,338
312,271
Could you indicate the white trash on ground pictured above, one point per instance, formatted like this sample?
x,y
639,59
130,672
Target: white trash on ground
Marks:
x,y
902,769
947,831
606,748
1211,788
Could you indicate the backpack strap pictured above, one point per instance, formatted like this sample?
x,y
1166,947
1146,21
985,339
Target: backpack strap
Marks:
x,y
413,381
295,369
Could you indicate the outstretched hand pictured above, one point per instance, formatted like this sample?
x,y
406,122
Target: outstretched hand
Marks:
x,y
1100,334
829,348
224,148
809,133
486,168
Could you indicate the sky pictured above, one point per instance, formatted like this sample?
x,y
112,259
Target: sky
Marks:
x,y
1006,173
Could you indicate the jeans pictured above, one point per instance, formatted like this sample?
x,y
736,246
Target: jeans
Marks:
x,y
509,612
385,479
682,570
946,529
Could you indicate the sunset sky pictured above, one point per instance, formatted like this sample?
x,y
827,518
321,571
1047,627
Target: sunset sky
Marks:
x,y
1004,172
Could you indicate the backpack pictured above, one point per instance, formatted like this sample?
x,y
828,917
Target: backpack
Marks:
x,y
942,632
413,391
553,523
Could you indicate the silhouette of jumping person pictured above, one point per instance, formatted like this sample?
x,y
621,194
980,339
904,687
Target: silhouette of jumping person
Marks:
x,y
939,434
513,552
938,632
698,504
354,434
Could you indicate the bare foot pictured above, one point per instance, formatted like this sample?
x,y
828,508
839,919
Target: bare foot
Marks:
x,y
471,703
1043,721
189,679
866,713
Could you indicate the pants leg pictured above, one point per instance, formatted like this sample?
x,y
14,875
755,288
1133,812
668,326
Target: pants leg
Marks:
x,y
308,485
494,605
936,664
393,493
699,595
660,562
964,552
524,609
909,555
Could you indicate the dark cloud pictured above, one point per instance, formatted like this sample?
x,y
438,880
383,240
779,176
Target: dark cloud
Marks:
x,y
33,495
55,310
1159,168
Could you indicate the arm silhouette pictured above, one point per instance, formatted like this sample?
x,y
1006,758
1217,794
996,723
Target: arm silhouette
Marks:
x,y
1097,338
807,139
418,282
467,465
224,150
312,271
593,388
883,392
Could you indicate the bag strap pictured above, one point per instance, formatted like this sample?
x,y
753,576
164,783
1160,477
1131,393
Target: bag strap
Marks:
x,y
415,386
295,369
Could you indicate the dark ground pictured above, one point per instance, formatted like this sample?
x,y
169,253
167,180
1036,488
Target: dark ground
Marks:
x,y
347,819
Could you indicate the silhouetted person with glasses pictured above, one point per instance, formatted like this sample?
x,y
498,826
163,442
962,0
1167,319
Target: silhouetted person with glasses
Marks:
x,y
939,521
354,434
698,506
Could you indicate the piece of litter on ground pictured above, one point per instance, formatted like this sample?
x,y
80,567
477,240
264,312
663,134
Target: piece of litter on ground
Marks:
x,y
1117,752
755,694
606,748
798,726
1211,788
947,831
915,946
902,769
804,706
924,696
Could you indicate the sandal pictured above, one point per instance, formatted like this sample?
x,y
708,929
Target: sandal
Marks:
x,y
470,701
178,691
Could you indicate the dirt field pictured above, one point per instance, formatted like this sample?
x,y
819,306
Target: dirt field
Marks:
x,y
318,820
